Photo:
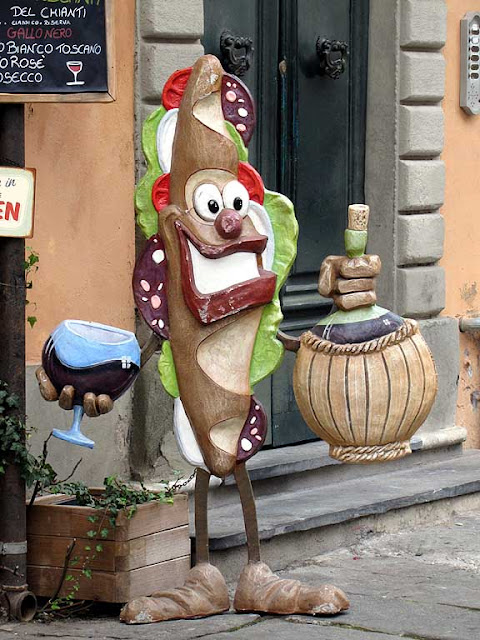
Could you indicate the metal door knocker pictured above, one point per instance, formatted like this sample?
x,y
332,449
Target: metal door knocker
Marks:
x,y
236,53
333,57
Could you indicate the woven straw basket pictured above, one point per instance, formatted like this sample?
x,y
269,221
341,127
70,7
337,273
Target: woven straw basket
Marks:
x,y
367,399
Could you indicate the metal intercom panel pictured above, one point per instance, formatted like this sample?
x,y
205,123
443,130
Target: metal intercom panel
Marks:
x,y
470,63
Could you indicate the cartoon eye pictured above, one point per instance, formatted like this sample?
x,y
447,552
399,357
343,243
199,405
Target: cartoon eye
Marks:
x,y
236,197
207,201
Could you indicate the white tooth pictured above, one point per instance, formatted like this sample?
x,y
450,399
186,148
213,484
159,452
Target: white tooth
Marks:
x,y
215,274
259,216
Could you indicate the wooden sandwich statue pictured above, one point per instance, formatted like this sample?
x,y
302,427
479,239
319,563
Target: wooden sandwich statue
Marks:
x,y
219,249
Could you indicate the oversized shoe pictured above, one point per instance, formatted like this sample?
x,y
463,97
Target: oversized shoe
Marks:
x,y
204,594
259,590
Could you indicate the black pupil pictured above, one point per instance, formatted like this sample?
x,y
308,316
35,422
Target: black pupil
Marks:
x,y
213,206
237,204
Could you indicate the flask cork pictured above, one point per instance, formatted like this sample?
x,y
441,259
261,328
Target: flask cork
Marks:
x,y
358,217
356,235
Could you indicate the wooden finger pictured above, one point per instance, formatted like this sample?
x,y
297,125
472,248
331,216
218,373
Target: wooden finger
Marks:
x,y
328,275
104,404
355,285
66,397
351,301
48,391
90,405
291,343
366,266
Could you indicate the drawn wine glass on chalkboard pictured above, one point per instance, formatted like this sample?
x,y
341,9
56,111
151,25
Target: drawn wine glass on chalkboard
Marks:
x,y
75,66
89,362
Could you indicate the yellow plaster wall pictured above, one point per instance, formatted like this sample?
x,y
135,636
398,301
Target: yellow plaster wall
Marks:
x,y
84,225
462,221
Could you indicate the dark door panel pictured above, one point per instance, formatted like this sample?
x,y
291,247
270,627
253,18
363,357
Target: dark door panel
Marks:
x,y
309,144
259,20
321,168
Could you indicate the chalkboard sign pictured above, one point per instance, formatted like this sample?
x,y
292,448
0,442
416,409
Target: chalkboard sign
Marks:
x,y
56,50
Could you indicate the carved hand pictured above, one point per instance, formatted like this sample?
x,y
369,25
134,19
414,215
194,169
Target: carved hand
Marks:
x,y
349,281
93,405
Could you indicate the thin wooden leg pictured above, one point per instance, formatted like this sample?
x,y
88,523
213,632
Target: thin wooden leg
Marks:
x,y
249,512
201,517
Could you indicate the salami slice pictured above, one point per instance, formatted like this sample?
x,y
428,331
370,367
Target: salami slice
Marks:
x,y
238,106
253,433
150,286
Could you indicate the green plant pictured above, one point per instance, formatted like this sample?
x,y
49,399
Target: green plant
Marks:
x,y
115,498
30,267
14,437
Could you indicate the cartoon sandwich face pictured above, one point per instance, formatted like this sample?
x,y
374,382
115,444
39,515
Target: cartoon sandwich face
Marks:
x,y
205,278
222,269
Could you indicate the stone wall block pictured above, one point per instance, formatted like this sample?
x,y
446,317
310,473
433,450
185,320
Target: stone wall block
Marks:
x,y
420,291
171,19
421,131
422,76
159,60
420,238
421,185
442,336
423,24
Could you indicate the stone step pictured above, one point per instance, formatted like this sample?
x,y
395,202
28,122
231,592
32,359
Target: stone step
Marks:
x,y
303,466
285,517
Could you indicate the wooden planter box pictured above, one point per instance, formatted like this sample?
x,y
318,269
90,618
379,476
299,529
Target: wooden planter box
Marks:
x,y
151,551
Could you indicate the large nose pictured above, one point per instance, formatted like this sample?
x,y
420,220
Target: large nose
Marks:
x,y
229,224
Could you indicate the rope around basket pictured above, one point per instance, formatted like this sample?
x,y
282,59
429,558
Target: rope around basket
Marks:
x,y
408,328
373,453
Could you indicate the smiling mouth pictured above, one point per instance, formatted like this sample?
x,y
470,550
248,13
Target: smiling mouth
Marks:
x,y
219,281
214,275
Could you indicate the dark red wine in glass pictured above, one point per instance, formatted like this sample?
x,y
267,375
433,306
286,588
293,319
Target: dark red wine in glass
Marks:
x,y
93,358
75,66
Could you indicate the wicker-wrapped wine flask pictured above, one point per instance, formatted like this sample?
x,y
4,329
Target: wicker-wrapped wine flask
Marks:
x,y
366,399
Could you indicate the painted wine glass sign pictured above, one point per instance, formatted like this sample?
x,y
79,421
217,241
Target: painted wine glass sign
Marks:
x,y
17,199
56,50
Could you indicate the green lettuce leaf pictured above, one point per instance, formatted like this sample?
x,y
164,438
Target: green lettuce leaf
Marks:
x,y
166,368
147,216
238,140
268,351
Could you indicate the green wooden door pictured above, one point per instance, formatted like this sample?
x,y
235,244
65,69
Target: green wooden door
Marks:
x,y
309,144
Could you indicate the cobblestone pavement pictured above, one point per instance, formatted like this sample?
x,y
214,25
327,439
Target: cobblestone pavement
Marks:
x,y
422,584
